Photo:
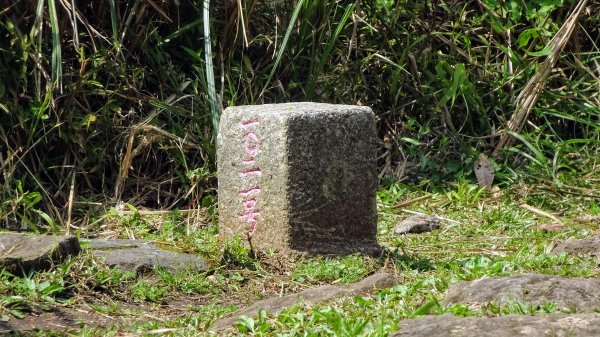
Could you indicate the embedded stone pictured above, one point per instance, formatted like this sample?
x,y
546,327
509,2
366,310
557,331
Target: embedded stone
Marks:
x,y
308,297
142,256
547,325
573,294
299,177
590,246
22,253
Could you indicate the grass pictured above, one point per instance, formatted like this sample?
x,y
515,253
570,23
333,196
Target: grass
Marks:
x,y
128,95
144,83
484,234
344,270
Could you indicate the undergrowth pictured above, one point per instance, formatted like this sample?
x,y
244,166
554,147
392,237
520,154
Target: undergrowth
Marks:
x,y
483,234
108,112
108,102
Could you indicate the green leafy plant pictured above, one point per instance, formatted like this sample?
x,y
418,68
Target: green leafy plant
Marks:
x,y
344,270
466,193
22,294
256,327
142,290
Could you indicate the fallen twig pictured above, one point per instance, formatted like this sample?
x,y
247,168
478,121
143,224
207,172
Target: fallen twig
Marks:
x,y
70,203
437,216
156,212
413,201
541,213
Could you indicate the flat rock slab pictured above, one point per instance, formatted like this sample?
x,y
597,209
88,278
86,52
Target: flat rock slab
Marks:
x,y
589,246
113,243
58,320
579,294
142,256
21,252
308,297
549,325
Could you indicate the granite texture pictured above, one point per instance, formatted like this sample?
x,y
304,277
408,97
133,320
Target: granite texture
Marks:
x,y
299,176
577,294
22,252
547,325
142,256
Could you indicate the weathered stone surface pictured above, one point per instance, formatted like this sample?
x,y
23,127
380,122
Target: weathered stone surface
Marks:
x,y
59,320
20,252
550,325
112,243
589,246
419,223
142,256
308,297
579,294
299,176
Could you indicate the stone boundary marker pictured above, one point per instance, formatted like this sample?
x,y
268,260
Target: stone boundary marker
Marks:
x,y
299,177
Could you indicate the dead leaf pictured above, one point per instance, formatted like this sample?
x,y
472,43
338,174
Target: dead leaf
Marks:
x,y
484,171
551,227
539,212
588,219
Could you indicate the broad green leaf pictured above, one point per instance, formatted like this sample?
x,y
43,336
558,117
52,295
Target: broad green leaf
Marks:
x,y
544,52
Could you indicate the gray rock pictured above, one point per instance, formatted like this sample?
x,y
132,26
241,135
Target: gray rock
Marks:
x,y
549,325
580,294
21,253
589,246
112,243
308,297
419,223
299,177
142,256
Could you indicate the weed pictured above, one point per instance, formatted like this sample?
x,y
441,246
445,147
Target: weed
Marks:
x,y
466,193
256,327
27,293
143,290
236,254
128,125
345,270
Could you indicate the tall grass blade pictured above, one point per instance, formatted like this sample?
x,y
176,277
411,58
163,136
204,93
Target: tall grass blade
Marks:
x,y
37,29
210,74
329,47
286,37
540,158
74,24
114,24
180,31
335,36
56,47
572,117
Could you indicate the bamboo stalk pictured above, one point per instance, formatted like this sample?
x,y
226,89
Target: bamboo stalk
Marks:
x,y
70,204
530,94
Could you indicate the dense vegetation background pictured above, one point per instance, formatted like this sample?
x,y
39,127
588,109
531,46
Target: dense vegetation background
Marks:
x,y
107,101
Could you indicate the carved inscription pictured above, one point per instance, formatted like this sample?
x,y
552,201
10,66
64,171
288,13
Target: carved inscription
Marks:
x,y
251,172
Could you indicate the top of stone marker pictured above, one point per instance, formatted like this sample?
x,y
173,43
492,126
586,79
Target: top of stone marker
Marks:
x,y
299,108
